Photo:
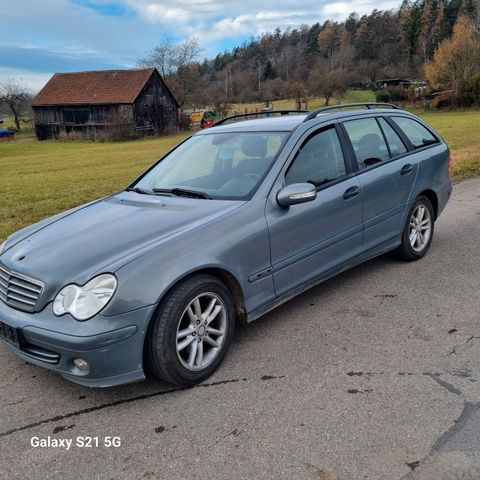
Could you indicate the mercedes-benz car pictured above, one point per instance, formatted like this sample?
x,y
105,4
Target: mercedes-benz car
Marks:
x,y
229,224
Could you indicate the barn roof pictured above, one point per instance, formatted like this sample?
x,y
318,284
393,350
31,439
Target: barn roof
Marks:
x,y
100,87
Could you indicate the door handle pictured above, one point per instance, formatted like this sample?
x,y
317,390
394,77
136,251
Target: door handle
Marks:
x,y
351,192
406,169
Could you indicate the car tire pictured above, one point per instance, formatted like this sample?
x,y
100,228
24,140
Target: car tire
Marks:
x,y
420,219
191,331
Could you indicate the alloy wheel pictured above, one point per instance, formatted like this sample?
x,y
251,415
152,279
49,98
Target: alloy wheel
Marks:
x,y
420,227
201,331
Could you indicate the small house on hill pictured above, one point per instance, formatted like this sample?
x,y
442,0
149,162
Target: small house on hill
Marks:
x,y
91,103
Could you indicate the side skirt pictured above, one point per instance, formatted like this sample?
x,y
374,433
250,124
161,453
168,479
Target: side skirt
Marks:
x,y
376,252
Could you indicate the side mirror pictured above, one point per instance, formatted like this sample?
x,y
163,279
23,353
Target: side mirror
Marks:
x,y
296,193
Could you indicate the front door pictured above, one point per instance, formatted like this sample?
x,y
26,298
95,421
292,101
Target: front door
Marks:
x,y
308,240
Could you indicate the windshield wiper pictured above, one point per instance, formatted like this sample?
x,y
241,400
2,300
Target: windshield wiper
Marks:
x,y
139,190
182,192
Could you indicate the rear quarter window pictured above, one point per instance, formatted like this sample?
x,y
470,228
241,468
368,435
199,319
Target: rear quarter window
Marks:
x,y
418,135
395,143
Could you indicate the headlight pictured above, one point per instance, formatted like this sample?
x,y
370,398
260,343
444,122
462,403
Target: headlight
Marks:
x,y
85,302
2,246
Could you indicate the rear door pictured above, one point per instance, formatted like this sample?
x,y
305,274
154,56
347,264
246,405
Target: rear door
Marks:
x,y
309,239
386,173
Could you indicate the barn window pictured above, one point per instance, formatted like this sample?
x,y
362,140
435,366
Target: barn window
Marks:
x,y
76,116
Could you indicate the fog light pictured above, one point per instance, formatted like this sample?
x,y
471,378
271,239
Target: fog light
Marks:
x,y
80,363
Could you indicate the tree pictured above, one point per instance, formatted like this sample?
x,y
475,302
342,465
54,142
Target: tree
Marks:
x,y
328,40
351,24
456,60
364,40
471,92
299,93
329,83
471,9
412,29
312,41
14,94
176,63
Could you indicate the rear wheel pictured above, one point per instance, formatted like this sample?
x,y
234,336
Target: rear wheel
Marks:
x,y
191,331
418,231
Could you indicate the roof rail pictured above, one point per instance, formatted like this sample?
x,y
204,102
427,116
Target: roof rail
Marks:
x,y
255,114
368,105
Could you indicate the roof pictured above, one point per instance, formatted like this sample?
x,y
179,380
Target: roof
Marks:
x,y
100,87
284,123
289,123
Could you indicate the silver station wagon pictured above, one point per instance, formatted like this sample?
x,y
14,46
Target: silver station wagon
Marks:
x,y
225,227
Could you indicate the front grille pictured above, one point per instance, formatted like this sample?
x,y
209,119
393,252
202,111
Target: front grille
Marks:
x,y
19,291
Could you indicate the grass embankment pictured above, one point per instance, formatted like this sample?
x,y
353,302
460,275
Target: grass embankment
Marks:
x,y
38,179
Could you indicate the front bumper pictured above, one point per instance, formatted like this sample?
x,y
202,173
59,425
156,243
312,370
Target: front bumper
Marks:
x,y
112,346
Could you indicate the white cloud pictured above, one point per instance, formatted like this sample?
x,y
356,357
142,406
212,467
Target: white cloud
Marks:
x,y
34,81
230,19
215,21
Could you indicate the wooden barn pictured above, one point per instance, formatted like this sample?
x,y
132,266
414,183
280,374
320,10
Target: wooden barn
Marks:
x,y
94,104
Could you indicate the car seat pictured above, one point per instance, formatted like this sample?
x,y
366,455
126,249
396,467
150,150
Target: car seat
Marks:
x,y
369,147
254,147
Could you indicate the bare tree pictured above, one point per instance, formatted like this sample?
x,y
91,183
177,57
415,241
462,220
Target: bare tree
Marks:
x,y
14,94
299,93
162,57
329,83
177,65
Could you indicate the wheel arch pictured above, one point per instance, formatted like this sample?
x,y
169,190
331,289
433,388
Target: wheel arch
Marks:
x,y
432,196
224,276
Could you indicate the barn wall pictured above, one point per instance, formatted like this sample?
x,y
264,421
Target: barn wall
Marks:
x,y
155,110
90,120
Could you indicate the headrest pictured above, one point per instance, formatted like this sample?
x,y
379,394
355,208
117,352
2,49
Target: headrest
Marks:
x,y
254,146
371,140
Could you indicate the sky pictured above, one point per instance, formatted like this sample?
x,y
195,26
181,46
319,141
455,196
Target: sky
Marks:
x,y
41,37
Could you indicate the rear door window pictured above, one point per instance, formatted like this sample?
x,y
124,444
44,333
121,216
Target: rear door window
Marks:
x,y
415,131
367,141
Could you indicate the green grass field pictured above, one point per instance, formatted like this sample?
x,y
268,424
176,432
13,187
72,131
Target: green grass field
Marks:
x,y
39,179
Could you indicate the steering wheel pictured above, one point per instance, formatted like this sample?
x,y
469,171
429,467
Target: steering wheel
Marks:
x,y
251,176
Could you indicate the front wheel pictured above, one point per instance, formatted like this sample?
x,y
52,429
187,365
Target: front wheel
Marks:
x,y
418,231
191,331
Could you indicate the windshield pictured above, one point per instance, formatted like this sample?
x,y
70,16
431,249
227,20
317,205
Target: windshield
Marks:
x,y
218,165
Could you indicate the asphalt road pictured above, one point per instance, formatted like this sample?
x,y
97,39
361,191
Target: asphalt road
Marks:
x,y
372,375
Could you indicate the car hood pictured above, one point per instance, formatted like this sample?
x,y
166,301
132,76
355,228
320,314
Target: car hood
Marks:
x,y
105,235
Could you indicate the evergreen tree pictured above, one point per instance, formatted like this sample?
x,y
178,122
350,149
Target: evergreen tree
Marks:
x,y
412,29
